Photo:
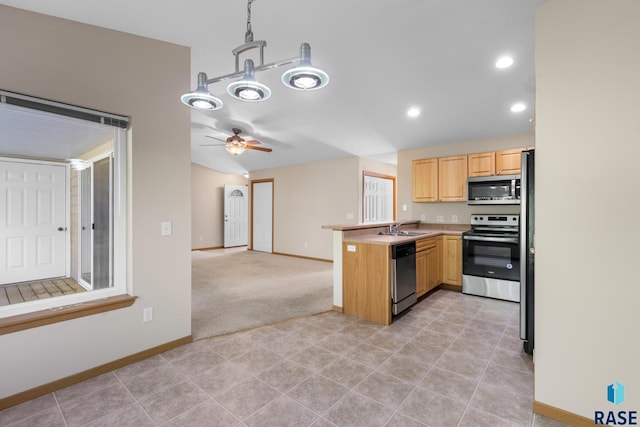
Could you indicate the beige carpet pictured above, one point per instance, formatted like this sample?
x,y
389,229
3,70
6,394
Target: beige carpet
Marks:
x,y
238,289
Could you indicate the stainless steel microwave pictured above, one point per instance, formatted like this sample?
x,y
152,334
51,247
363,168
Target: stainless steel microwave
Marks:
x,y
493,190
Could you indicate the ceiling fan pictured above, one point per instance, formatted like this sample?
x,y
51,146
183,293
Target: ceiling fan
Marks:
x,y
236,145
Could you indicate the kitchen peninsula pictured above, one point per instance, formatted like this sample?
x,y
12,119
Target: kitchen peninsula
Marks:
x,y
362,273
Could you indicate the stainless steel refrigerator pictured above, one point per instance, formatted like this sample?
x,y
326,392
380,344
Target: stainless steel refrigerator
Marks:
x,y
527,250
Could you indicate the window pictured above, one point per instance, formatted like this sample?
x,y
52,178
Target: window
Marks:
x,y
63,185
379,198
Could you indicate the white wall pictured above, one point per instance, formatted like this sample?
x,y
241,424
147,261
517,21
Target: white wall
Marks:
x,y
447,209
207,205
587,151
111,71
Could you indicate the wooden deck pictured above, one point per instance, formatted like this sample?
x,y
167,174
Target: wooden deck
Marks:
x,y
32,291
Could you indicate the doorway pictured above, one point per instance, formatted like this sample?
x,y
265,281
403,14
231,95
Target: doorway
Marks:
x,y
262,215
96,230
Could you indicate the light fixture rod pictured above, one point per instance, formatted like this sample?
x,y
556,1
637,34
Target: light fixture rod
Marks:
x,y
248,46
259,68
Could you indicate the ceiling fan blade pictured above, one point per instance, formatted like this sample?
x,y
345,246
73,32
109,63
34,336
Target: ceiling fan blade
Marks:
x,y
211,145
253,142
213,137
253,147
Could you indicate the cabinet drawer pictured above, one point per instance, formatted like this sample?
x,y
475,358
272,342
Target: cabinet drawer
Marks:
x,y
424,244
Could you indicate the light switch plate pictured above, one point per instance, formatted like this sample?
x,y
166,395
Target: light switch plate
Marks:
x,y
165,228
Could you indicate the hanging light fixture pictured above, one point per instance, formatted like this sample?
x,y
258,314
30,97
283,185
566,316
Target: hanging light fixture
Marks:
x,y
302,77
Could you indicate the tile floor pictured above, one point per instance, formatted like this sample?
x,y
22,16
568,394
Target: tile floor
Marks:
x,y
453,360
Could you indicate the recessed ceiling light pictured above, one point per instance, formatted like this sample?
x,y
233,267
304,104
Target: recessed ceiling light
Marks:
x,y
504,62
413,112
518,107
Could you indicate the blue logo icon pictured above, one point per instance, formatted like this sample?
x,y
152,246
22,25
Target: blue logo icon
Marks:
x,y
615,393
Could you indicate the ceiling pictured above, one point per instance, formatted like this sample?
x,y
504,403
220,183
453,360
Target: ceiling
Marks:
x,y
382,58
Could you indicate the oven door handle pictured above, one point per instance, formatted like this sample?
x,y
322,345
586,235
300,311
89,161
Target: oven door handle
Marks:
x,y
492,239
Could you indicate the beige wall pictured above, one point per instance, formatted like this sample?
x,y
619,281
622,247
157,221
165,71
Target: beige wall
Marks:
x,y
587,150
114,72
311,195
447,209
207,205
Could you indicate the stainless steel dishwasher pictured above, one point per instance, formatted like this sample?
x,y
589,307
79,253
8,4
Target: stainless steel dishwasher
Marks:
x,y
403,270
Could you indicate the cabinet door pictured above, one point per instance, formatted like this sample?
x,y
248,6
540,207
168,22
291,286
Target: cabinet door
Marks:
x,y
452,179
421,273
508,162
482,164
452,260
425,180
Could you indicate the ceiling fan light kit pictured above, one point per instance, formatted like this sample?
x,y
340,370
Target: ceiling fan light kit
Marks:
x,y
234,149
237,145
302,77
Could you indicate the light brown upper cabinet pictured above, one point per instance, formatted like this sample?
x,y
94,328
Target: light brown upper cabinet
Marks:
x,y
482,164
452,179
441,179
425,180
508,162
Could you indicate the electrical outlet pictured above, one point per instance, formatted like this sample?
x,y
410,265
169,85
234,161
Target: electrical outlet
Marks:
x,y
349,216
165,228
404,208
306,244
440,218
423,217
147,314
454,219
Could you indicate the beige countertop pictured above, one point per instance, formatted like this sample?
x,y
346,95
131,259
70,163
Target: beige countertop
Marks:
x,y
369,232
346,227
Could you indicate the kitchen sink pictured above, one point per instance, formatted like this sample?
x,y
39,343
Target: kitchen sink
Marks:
x,y
401,233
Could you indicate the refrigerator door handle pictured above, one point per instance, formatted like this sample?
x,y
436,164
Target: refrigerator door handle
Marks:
x,y
523,247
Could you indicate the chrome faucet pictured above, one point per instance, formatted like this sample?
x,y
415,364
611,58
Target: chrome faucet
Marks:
x,y
394,228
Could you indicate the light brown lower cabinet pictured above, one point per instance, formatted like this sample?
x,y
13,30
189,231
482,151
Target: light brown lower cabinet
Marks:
x,y
366,274
452,249
428,264
366,281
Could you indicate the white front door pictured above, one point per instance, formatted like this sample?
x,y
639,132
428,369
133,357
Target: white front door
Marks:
x,y
33,221
236,216
262,214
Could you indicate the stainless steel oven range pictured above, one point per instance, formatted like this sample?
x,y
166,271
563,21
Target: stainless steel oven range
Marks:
x,y
491,257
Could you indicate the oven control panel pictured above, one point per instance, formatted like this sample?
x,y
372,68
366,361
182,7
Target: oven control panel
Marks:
x,y
509,220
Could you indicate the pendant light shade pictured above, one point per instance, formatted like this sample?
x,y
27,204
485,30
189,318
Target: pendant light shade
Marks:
x,y
305,76
248,89
200,98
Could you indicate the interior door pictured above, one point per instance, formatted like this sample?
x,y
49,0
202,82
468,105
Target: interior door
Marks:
x,y
33,224
236,216
262,215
